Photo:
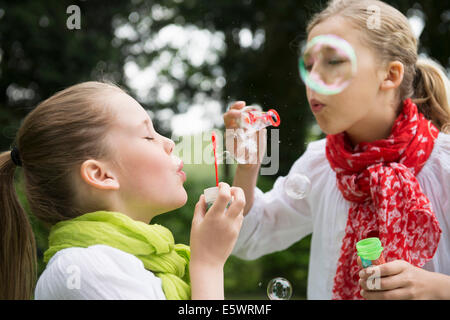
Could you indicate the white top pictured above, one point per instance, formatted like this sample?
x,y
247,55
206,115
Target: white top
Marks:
x,y
277,221
98,272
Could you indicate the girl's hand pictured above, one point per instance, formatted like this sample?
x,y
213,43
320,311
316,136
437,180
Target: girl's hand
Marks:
x,y
234,145
400,280
214,233
232,116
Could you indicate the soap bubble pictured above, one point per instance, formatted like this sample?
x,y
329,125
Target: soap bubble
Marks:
x,y
297,186
279,289
327,64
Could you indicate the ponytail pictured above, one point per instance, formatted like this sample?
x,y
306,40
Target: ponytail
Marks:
x,y
432,93
17,243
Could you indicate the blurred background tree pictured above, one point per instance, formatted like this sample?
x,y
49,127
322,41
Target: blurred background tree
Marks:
x,y
185,61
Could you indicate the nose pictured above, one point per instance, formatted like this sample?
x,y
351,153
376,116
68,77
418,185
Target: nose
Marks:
x,y
316,68
169,145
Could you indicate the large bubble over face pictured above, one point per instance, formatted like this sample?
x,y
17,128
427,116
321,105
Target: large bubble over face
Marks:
x,y
327,64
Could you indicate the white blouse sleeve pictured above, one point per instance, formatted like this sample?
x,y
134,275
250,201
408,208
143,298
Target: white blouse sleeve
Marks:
x,y
276,220
97,273
435,181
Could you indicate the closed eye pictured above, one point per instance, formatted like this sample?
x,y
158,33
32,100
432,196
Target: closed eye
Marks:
x,y
335,62
149,138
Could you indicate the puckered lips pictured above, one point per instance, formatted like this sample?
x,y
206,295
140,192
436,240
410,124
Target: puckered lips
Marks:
x,y
316,105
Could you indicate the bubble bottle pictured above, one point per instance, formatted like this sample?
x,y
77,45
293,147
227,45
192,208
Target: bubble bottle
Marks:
x,y
370,251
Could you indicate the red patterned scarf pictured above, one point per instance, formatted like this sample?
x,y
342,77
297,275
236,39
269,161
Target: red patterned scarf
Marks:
x,y
378,178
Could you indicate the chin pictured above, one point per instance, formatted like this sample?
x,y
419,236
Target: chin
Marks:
x,y
329,128
332,132
180,199
183,200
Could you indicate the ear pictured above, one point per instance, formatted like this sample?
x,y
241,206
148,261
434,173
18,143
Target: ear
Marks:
x,y
96,174
393,76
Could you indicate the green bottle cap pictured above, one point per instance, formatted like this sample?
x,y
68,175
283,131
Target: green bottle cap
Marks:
x,y
369,248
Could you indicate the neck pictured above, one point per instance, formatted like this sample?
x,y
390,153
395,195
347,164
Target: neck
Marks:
x,y
135,212
376,125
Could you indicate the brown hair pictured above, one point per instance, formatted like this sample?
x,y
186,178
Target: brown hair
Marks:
x,y
393,40
53,140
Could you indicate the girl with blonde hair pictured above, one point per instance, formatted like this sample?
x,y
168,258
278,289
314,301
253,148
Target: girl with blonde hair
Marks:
x,y
382,171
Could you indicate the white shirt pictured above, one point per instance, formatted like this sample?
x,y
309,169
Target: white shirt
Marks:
x,y
276,221
98,272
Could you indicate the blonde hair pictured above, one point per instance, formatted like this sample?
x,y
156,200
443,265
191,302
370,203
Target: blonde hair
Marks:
x,y
393,40
53,140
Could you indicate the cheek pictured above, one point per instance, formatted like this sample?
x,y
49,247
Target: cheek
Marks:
x,y
365,83
341,113
157,180
160,186
153,172
357,99
144,168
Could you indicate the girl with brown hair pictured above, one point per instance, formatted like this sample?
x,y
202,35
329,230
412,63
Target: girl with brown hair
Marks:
x,y
97,172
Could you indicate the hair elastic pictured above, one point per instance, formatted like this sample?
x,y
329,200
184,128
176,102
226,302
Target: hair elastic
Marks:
x,y
15,156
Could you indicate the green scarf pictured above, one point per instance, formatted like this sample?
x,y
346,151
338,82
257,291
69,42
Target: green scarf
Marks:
x,y
152,244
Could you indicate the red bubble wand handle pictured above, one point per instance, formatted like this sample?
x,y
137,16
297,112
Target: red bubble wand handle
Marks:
x,y
213,138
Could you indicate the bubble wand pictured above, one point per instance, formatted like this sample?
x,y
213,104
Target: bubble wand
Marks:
x,y
213,138
212,193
